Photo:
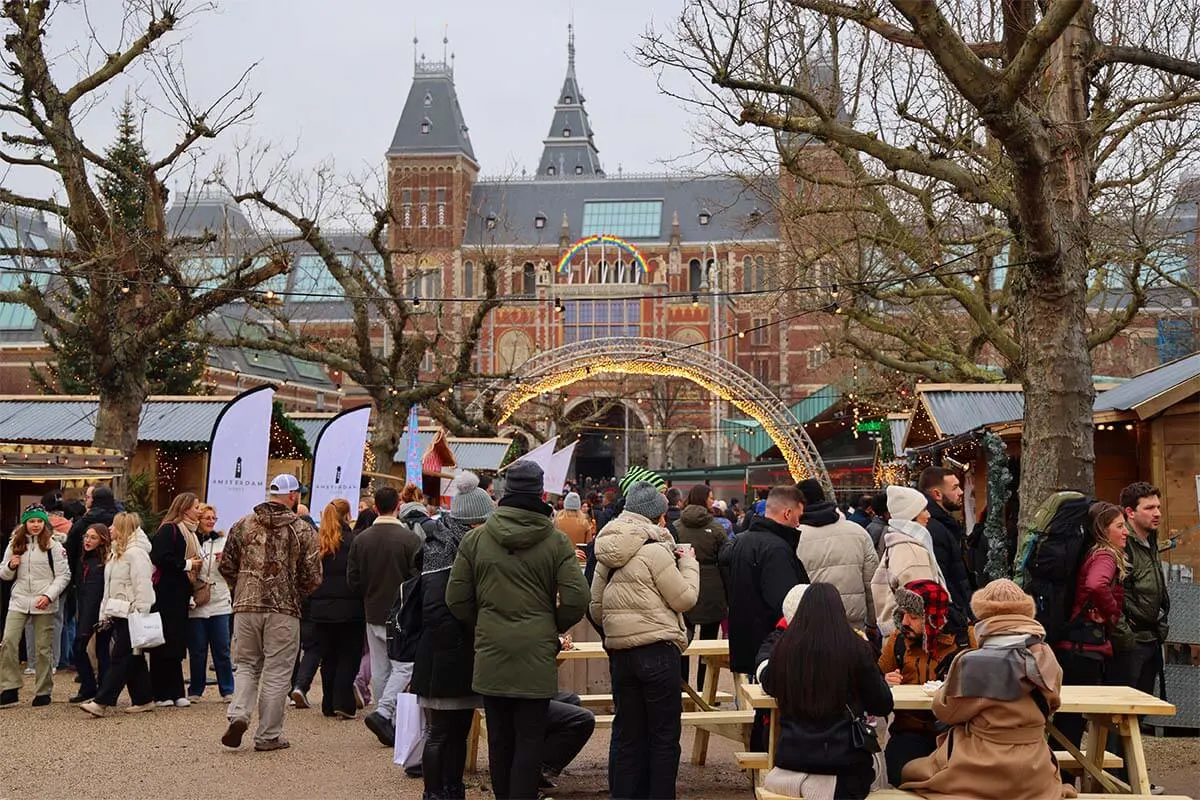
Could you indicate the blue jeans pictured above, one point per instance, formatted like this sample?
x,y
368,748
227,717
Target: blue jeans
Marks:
x,y
643,756
205,633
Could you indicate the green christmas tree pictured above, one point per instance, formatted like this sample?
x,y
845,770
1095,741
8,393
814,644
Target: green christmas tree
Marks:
x,y
176,366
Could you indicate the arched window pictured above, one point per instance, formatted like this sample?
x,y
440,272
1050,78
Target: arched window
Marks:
x,y
529,279
747,273
468,279
760,274
695,275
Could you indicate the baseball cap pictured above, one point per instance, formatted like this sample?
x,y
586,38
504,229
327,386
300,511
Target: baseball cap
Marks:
x,y
285,484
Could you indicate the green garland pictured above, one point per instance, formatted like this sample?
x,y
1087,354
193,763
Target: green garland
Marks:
x,y
998,557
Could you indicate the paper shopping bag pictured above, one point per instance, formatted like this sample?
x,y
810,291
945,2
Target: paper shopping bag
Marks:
x,y
146,631
410,731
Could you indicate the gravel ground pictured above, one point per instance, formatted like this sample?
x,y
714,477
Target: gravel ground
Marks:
x,y
64,753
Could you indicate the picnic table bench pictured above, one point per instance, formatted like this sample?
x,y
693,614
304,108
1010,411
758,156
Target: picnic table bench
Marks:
x,y
899,794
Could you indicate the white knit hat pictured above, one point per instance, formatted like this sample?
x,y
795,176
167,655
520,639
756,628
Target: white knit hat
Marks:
x,y
791,601
905,503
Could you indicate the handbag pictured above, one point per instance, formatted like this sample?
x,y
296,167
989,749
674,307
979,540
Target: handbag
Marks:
x,y
1081,630
410,731
146,631
862,735
201,592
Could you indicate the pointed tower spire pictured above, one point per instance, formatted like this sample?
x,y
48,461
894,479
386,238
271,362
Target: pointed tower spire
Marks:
x,y
569,150
432,121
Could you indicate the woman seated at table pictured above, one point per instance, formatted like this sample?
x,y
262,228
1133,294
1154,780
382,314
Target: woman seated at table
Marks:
x,y
824,679
997,699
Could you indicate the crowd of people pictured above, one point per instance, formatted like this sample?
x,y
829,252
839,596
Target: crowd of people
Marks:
x,y
401,604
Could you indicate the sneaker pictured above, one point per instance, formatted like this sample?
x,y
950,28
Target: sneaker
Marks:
x,y
226,698
165,703
195,698
299,698
272,744
382,727
9,698
41,700
183,702
80,698
144,707
94,708
414,772
1155,789
545,783
232,739
359,702
343,715
29,671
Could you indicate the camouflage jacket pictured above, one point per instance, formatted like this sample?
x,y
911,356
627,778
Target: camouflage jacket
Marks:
x,y
271,561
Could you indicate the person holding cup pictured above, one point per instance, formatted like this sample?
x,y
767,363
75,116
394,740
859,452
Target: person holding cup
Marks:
x,y
644,583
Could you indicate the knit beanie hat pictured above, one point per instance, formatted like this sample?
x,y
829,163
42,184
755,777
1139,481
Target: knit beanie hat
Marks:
x,y
572,502
37,512
642,498
635,473
812,490
904,503
1002,597
469,503
524,477
791,601
927,598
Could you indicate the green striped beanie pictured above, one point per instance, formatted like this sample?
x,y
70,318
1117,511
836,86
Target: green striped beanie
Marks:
x,y
635,474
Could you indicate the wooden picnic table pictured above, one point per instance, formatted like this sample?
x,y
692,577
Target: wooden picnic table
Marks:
x,y
1107,708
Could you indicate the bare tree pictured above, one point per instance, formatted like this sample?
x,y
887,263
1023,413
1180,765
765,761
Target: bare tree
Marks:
x,y
123,284
1027,144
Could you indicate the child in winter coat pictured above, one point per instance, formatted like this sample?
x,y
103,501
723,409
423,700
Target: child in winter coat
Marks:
x,y
37,566
89,594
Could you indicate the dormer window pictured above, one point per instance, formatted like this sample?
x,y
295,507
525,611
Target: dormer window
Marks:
x,y
490,221
704,217
568,100
566,133
428,99
539,221
426,125
550,170
579,169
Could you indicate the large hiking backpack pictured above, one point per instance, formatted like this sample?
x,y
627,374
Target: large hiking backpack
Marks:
x,y
1050,557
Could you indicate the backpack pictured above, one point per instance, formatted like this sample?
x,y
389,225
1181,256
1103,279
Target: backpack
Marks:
x,y
404,621
1050,557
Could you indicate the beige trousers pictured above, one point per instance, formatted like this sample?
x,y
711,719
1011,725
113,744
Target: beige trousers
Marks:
x,y
265,648
42,645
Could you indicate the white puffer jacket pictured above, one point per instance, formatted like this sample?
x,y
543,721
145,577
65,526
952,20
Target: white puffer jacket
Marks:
x,y
221,601
35,576
842,553
640,590
128,580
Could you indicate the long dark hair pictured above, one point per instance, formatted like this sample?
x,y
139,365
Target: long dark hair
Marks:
x,y
698,496
818,659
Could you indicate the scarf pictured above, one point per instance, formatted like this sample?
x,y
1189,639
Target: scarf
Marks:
x,y
1011,658
191,542
918,532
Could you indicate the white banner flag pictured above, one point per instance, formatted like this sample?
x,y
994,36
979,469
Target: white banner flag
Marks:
x,y
338,459
237,454
560,466
542,455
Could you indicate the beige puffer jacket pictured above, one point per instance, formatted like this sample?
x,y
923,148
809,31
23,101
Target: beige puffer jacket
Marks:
x,y
842,553
905,558
640,590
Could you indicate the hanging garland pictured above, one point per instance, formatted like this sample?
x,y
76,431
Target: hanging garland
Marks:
x,y
998,557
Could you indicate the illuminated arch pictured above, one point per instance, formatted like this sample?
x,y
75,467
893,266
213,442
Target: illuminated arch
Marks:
x,y
563,366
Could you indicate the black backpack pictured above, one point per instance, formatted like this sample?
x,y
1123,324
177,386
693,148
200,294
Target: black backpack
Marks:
x,y
404,621
1053,550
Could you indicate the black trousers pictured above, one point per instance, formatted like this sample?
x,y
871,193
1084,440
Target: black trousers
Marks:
x,y
516,732
1078,670
903,747
339,645
1138,667
308,660
643,757
126,669
89,684
708,630
568,727
445,755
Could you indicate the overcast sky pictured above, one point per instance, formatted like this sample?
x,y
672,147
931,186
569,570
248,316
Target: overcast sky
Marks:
x,y
334,75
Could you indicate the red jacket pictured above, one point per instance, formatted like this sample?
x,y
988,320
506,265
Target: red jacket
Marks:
x,y
1098,584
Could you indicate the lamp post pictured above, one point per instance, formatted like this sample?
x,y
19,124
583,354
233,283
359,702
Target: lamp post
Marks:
x,y
714,285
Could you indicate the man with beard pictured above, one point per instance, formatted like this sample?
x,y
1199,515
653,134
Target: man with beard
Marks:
x,y
927,637
945,495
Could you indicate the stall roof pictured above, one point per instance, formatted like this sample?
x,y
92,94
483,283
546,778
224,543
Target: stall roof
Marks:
x,y
958,408
1152,391
52,472
27,418
898,427
472,454
749,435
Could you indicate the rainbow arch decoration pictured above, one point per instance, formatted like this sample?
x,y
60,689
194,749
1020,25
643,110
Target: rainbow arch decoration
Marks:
x,y
601,240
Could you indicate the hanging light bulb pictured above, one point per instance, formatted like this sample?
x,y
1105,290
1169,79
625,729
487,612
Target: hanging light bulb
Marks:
x,y
695,301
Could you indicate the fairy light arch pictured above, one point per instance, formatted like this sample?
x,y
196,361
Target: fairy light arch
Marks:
x,y
555,369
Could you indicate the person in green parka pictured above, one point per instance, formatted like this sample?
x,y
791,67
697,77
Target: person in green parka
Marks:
x,y
517,580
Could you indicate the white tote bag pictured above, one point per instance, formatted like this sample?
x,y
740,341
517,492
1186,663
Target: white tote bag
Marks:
x,y
146,631
410,731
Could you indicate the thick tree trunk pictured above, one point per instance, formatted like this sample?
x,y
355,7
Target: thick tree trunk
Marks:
x,y
385,439
119,415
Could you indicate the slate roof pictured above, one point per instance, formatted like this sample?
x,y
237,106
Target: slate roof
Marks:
x,y
74,420
959,411
739,210
432,121
265,364
211,211
569,148
1148,385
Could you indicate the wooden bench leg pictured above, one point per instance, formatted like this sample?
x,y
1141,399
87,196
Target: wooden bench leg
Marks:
x,y
1135,758
473,742
712,676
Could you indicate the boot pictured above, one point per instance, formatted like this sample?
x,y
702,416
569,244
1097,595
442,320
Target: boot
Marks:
x,y
456,792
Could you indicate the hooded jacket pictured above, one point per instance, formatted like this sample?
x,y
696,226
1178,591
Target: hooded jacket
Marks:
x,y
640,592
271,561
905,558
34,576
758,568
1100,595
948,537
703,532
835,550
516,579
103,512
127,580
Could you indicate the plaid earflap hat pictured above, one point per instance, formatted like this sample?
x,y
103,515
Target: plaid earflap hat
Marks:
x,y
924,597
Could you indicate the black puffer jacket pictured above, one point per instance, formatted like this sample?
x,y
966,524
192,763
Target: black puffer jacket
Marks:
x,y
445,653
89,583
698,528
759,568
948,538
334,601
102,514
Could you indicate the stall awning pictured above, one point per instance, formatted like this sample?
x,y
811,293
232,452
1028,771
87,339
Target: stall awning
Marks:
x,y
749,435
51,472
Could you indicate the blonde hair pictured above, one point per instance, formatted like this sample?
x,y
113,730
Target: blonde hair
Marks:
x,y
181,504
330,532
1101,515
125,524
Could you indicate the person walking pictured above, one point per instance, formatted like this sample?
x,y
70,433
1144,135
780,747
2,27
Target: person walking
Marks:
x,y
175,553
907,554
381,559
516,579
824,679
337,614
445,652
89,595
128,588
37,566
643,585
210,623
697,527
271,562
